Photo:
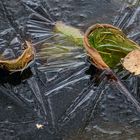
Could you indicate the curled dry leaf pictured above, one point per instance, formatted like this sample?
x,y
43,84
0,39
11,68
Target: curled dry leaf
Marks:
x,y
107,45
22,62
132,62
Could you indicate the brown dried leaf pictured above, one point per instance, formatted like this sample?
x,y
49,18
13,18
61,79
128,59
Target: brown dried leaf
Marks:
x,y
132,62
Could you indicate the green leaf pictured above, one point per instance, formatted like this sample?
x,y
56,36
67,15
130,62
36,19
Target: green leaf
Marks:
x,y
71,33
111,43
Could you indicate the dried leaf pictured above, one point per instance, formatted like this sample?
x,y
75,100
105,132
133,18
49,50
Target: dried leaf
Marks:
x,y
39,126
132,62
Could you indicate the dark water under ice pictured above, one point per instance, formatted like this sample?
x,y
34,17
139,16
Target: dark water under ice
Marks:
x,y
61,91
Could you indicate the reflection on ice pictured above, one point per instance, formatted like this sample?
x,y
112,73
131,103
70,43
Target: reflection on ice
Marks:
x,y
57,56
63,87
